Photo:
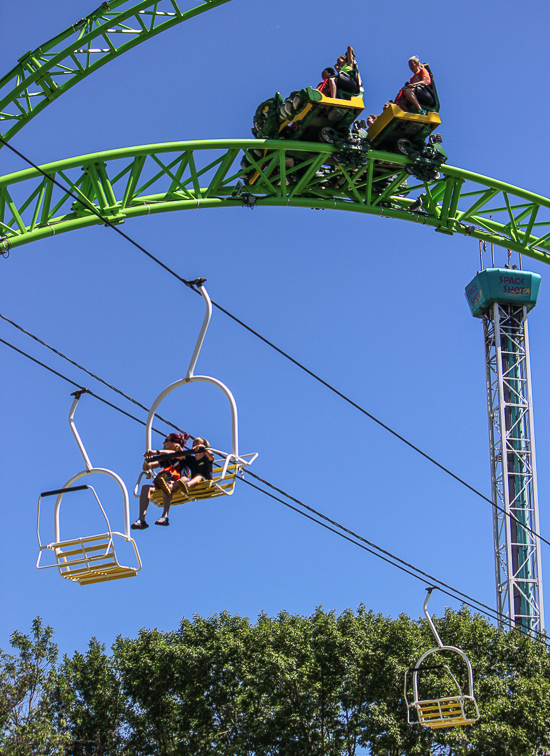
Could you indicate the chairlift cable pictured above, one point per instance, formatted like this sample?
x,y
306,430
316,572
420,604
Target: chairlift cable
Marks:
x,y
471,602
85,370
190,284
388,555
452,592
361,409
73,383
92,208
371,547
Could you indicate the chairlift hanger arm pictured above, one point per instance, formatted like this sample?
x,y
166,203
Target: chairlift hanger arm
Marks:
x,y
77,395
192,378
434,631
69,487
198,346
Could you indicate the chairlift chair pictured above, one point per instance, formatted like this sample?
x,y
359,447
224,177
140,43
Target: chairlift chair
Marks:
x,y
226,465
450,711
89,559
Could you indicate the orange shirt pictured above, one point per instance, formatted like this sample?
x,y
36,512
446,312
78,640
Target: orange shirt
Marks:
x,y
421,76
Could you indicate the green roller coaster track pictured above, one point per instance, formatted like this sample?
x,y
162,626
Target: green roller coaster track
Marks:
x,y
42,75
125,183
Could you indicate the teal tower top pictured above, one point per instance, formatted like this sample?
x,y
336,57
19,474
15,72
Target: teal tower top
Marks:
x,y
502,285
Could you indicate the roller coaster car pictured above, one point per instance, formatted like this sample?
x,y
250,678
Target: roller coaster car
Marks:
x,y
309,115
396,130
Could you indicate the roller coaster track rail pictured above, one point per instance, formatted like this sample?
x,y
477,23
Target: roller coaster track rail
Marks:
x,y
124,183
44,74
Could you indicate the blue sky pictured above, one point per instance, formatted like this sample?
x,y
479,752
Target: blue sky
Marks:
x,y
376,308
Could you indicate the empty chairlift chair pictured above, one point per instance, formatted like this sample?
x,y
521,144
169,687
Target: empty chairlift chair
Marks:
x,y
91,558
226,465
436,712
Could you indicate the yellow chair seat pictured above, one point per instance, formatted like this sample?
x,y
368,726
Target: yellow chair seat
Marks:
x,y
443,712
208,489
90,560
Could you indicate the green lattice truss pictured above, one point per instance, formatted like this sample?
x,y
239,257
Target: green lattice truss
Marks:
x,y
125,183
44,74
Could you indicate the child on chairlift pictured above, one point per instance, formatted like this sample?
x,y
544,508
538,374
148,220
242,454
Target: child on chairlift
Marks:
x,y
180,474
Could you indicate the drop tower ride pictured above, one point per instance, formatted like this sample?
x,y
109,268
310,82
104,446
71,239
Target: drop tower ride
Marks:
x,y
502,297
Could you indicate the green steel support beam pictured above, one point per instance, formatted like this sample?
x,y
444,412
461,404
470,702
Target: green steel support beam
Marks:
x,y
44,74
129,182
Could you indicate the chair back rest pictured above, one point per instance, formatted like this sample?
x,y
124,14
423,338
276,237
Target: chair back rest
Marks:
x,y
435,107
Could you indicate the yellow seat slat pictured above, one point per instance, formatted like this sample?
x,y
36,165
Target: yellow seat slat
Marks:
x,y
450,723
83,566
79,574
99,553
105,578
115,569
83,558
73,552
440,702
75,563
79,541
99,577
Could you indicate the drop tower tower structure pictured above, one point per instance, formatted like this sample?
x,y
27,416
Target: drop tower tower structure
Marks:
x,y
502,297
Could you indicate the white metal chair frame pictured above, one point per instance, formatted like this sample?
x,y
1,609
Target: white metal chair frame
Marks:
x,y
450,711
89,563
230,458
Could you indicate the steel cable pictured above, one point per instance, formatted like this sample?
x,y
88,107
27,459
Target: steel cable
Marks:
x,y
354,404
338,529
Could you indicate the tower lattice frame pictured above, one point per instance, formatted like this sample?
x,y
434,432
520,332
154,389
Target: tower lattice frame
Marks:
x,y
513,468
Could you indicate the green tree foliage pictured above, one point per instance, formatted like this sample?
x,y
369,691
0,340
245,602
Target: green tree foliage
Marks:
x,y
26,716
89,709
324,685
